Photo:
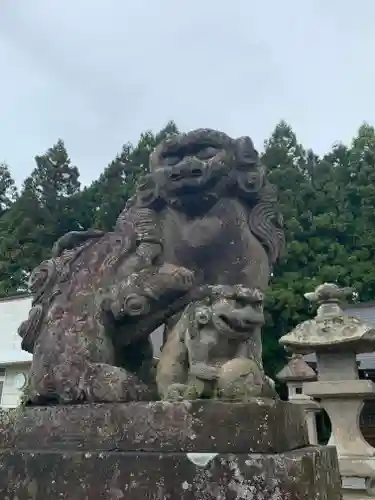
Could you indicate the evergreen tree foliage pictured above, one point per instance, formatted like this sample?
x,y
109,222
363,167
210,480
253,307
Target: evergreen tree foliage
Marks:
x,y
289,167
328,207
41,214
8,190
354,177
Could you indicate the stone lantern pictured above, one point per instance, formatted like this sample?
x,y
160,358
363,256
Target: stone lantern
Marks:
x,y
337,339
294,374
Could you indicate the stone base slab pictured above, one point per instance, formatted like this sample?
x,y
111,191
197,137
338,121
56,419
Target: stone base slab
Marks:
x,y
357,466
262,425
164,451
307,474
355,495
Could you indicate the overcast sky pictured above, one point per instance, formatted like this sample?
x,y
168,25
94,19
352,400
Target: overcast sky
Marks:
x,y
99,72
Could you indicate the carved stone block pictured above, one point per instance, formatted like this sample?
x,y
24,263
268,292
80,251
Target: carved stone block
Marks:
x,y
307,474
186,450
264,426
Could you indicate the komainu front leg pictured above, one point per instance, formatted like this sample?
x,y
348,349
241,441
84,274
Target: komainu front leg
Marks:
x,y
171,373
175,392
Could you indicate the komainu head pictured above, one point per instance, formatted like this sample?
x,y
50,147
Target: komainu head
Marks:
x,y
203,164
233,312
214,351
192,171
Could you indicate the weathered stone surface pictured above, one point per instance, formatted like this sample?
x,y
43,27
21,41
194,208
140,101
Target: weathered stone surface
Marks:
x,y
98,298
164,451
308,474
336,340
214,350
264,426
331,330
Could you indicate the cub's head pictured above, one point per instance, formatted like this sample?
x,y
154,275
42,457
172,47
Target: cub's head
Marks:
x,y
230,311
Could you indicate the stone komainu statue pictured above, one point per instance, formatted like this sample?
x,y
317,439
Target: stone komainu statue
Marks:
x,y
217,211
205,215
212,351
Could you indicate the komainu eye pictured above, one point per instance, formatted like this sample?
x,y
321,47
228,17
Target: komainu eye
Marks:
x,y
203,316
172,160
207,153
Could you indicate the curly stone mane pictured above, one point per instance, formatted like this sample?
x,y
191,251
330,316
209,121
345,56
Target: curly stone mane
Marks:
x,y
266,222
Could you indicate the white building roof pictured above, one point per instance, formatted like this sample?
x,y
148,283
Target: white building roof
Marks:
x,y
12,312
296,370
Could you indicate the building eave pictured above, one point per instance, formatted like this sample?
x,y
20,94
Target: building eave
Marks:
x,y
15,297
14,362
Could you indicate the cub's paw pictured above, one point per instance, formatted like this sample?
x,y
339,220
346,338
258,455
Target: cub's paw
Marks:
x,y
175,392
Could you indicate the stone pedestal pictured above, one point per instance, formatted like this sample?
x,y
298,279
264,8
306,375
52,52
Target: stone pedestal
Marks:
x,y
336,340
343,401
199,450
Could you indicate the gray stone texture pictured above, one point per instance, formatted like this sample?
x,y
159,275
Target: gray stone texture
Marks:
x,y
264,426
214,350
98,298
162,450
337,339
308,474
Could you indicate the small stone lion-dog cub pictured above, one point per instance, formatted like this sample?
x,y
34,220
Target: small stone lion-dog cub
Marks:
x,y
214,351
